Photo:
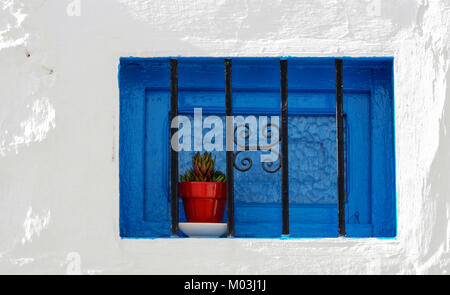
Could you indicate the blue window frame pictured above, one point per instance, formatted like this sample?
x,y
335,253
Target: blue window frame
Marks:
x,y
369,143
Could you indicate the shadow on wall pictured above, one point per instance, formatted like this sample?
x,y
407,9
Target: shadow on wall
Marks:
x,y
437,255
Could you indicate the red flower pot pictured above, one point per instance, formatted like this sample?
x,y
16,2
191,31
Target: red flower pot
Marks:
x,y
203,201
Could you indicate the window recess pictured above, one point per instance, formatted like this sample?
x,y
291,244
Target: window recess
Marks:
x,y
335,175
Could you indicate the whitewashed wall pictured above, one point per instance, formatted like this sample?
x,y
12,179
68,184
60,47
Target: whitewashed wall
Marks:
x,y
59,127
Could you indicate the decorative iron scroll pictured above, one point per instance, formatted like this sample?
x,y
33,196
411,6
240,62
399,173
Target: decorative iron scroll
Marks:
x,y
246,162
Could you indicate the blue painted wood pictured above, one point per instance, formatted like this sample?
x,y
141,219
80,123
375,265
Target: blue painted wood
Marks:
x,y
383,154
157,151
358,166
368,105
134,77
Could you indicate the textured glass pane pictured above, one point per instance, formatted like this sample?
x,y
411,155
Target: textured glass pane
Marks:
x,y
312,165
257,185
312,160
185,157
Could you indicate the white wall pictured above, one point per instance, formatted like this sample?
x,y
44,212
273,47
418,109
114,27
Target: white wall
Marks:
x,y
59,127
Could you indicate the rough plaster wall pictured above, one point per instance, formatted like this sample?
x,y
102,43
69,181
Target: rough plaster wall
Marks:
x,y
59,197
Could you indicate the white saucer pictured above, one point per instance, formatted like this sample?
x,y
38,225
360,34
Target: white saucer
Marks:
x,y
203,230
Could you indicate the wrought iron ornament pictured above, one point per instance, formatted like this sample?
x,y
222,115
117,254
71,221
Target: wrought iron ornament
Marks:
x,y
246,163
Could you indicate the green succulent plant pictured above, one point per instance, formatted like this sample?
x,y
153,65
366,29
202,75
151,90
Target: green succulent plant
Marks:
x,y
203,169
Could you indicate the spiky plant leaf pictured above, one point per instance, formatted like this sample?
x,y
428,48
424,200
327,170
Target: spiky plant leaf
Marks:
x,y
203,169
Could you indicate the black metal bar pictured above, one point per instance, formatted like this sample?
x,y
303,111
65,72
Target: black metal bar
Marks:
x,y
230,153
340,147
174,153
284,147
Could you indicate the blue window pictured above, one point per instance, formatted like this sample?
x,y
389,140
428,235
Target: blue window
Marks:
x,y
370,205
